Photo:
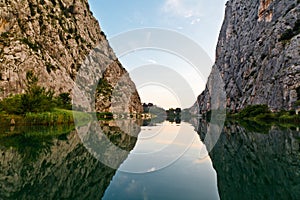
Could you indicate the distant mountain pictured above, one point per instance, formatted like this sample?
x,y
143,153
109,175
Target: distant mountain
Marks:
x,y
258,55
52,38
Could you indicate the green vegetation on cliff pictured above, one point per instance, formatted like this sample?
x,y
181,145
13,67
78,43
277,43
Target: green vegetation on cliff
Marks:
x,y
36,99
259,116
38,106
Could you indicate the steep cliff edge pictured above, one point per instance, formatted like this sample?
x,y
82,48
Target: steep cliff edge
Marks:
x,y
52,38
258,55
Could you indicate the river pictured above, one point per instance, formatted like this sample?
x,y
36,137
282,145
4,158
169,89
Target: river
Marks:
x,y
128,159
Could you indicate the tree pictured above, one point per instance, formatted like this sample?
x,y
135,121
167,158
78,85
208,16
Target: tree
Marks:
x,y
178,111
64,101
36,98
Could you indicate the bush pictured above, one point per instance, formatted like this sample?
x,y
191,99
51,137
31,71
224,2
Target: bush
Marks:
x,y
265,117
36,99
104,88
64,101
11,105
253,111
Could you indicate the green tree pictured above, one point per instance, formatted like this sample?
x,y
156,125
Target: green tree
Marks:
x,y
253,111
64,101
36,98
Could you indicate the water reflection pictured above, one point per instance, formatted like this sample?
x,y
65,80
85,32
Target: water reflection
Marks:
x,y
52,163
256,162
168,164
170,161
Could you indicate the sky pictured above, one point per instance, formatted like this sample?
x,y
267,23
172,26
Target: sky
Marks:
x,y
164,74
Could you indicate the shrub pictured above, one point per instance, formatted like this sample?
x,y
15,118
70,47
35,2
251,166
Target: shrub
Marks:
x,y
253,111
64,101
12,105
36,99
265,117
104,88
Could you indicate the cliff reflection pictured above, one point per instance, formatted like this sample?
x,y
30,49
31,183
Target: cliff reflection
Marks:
x,y
255,163
53,163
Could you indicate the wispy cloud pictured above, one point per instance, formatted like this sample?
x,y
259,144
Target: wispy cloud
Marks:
x,y
183,8
195,21
152,61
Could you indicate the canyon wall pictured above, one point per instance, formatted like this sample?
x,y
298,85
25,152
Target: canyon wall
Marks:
x,y
258,55
52,38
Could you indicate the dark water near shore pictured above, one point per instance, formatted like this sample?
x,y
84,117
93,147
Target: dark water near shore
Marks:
x,y
150,160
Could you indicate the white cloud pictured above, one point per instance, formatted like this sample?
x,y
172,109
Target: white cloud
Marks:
x,y
184,8
152,61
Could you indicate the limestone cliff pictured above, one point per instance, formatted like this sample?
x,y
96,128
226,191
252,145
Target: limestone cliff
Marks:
x,y
258,55
53,38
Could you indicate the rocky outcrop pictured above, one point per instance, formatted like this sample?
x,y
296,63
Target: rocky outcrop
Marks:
x,y
258,55
53,38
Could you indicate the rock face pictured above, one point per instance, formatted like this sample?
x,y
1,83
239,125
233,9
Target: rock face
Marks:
x,y
52,38
258,55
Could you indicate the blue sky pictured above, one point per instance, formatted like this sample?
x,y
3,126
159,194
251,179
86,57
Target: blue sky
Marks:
x,y
198,20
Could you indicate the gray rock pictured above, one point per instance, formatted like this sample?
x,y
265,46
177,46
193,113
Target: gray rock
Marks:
x,y
53,39
257,64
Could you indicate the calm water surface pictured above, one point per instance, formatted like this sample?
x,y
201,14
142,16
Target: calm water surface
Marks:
x,y
167,162
159,161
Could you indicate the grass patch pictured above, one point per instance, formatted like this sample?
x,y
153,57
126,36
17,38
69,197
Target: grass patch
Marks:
x,y
55,117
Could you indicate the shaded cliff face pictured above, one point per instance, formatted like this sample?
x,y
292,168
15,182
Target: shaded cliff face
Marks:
x,y
258,54
52,38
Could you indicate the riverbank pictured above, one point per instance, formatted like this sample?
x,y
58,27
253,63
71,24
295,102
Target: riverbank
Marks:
x,y
259,116
55,117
